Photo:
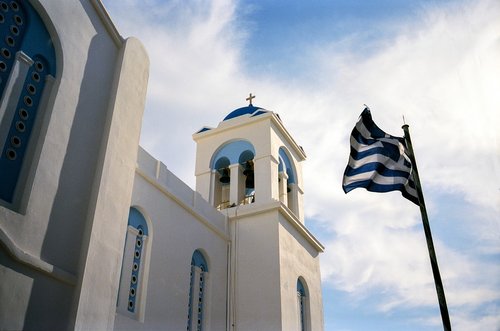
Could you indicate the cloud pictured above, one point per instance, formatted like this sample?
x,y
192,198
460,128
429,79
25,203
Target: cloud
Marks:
x,y
194,54
442,73
440,70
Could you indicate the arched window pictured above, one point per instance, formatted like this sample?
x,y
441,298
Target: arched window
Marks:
x,y
221,183
27,65
246,161
133,270
233,169
197,287
287,181
302,306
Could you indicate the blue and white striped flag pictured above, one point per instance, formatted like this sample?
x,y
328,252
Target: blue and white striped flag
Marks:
x,y
378,161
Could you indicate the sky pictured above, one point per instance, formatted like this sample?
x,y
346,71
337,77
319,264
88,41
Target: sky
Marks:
x,y
316,63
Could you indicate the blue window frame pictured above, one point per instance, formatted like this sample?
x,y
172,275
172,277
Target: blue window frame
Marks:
x,y
22,35
137,221
197,286
301,297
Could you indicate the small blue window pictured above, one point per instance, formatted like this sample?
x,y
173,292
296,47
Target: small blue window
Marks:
x,y
301,297
137,221
197,286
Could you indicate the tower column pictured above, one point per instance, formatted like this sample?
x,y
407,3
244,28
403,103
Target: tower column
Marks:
x,y
297,201
236,191
283,178
293,199
266,185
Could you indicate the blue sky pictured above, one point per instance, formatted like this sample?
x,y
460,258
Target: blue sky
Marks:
x,y
316,63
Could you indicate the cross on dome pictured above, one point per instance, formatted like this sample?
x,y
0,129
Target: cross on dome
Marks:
x,y
250,97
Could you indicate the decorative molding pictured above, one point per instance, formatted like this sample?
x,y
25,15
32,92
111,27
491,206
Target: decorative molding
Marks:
x,y
35,262
257,208
293,220
224,126
181,203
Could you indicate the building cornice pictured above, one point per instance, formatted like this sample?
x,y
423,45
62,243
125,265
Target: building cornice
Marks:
x,y
243,211
301,228
246,121
298,149
189,208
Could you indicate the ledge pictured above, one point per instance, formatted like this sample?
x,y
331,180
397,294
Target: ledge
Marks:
x,y
157,175
247,120
241,211
292,219
35,262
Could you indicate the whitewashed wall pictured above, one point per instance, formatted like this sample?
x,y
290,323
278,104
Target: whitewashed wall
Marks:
x,y
61,242
181,222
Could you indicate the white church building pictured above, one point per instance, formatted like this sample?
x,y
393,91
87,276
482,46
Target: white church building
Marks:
x,y
97,234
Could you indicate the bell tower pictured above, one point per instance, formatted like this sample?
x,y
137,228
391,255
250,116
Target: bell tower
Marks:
x,y
249,168
249,158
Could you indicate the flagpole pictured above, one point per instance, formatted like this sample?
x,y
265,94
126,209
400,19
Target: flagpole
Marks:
x,y
427,229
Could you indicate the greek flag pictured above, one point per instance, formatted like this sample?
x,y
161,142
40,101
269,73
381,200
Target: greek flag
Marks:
x,y
378,161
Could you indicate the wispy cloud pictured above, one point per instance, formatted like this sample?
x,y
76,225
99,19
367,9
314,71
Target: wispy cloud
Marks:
x,y
194,52
440,70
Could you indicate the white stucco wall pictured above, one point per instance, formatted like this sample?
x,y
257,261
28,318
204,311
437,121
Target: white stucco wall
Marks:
x,y
256,276
180,223
111,192
45,240
272,249
299,258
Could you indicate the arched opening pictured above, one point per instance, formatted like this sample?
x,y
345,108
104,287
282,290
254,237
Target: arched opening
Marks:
x,y
302,305
247,186
222,182
197,289
287,182
134,268
233,175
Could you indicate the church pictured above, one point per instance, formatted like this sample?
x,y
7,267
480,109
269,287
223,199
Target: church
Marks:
x,y
97,234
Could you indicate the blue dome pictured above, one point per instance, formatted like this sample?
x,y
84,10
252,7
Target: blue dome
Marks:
x,y
250,109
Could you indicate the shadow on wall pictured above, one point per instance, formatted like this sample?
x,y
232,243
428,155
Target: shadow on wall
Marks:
x,y
55,301
67,236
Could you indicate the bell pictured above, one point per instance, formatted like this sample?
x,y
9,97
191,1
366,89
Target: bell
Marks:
x,y
250,182
224,177
248,168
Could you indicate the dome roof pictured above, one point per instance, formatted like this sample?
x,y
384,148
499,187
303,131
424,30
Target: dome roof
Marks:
x,y
250,109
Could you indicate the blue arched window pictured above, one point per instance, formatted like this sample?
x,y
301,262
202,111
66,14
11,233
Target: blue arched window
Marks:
x,y
302,304
287,181
27,60
197,288
133,270
137,221
285,165
234,160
